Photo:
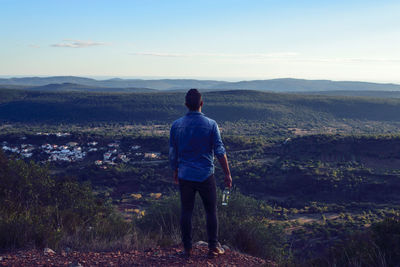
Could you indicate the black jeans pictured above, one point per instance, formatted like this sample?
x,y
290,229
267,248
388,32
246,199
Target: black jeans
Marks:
x,y
208,194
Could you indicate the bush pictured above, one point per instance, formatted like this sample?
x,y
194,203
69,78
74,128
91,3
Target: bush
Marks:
x,y
377,246
36,209
240,225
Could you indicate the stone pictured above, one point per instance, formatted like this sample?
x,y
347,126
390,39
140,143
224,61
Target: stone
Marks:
x,y
201,243
48,251
77,264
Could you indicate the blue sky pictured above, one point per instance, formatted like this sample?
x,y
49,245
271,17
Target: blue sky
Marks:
x,y
219,39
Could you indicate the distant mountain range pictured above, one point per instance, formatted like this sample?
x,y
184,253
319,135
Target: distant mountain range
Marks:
x,y
366,93
70,87
72,83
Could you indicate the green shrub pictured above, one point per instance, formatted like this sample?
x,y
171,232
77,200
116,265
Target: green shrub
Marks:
x,y
36,209
377,246
241,225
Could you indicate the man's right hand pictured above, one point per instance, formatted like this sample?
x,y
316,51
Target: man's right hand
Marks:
x,y
228,180
225,166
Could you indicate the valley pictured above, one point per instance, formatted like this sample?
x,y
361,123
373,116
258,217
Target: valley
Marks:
x,y
316,170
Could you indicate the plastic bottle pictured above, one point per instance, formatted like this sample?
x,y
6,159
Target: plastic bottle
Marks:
x,y
225,196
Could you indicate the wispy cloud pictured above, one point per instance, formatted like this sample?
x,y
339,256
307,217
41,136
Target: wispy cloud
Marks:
x,y
34,46
218,55
68,43
158,54
278,56
349,60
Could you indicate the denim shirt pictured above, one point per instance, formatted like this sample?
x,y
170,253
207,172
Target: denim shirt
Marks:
x,y
194,139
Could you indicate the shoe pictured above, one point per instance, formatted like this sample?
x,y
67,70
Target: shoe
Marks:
x,y
215,252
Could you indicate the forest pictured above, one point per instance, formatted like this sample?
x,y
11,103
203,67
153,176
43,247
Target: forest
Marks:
x,y
265,113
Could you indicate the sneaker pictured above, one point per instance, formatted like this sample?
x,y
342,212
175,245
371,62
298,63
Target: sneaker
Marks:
x,y
215,252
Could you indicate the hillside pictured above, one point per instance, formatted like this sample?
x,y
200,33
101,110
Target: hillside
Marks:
x,y
313,193
169,256
270,111
361,93
276,85
294,85
162,84
69,87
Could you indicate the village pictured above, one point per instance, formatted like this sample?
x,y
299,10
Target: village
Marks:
x,y
100,153
75,154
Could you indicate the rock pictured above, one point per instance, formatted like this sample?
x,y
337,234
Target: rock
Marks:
x,y
65,251
77,264
201,243
48,251
225,247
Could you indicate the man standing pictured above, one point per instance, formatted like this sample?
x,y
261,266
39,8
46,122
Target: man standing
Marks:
x,y
194,140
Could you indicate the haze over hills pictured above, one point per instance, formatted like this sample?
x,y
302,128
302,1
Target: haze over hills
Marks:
x,y
54,87
363,93
116,84
162,84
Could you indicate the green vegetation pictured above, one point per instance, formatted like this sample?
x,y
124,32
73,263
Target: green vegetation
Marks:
x,y
306,198
268,114
244,225
290,222
377,246
38,210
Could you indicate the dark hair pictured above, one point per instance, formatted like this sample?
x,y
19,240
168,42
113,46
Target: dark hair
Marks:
x,y
193,99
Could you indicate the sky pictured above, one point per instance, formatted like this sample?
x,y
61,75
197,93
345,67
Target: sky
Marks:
x,y
204,39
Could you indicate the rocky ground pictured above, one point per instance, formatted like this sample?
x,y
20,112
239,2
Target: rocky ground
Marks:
x,y
170,256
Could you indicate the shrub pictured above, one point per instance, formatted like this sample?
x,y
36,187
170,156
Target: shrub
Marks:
x,y
36,209
377,246
240,225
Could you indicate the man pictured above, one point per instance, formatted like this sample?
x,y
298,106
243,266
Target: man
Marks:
x,y
194,140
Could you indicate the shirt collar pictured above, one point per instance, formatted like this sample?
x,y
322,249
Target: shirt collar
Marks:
x,y
194,113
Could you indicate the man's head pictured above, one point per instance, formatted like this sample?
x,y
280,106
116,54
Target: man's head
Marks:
x,y
193,100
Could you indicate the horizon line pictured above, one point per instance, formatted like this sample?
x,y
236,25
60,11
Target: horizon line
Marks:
x,y
199,78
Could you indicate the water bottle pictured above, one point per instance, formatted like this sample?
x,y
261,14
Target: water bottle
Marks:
x,y
225,196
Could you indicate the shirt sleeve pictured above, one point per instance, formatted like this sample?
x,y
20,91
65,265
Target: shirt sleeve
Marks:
x,y
173,151
219,149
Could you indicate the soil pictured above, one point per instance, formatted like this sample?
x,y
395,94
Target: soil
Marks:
x,y
171,256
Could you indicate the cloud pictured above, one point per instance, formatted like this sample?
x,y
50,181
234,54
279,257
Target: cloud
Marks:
x,y
278,56
218,55
34,46
349,60
77,43
157,54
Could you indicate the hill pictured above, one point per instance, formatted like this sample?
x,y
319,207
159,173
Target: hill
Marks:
x,y
69,87
277,85
263,113
373,94
298,85
169,256
162,84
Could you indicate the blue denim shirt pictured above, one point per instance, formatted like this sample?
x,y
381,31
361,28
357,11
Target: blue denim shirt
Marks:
x,y
194,139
